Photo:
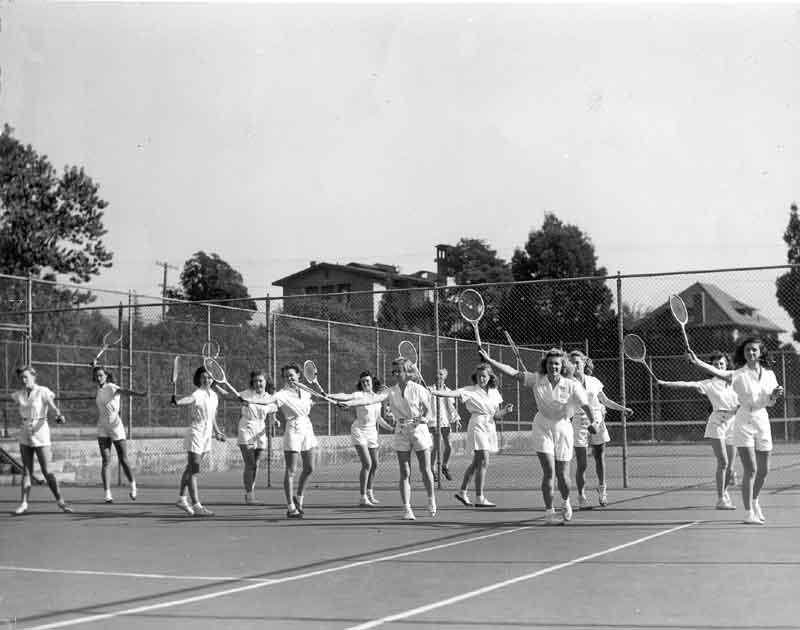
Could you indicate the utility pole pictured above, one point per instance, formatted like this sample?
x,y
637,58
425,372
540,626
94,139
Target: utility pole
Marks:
x,y
164,287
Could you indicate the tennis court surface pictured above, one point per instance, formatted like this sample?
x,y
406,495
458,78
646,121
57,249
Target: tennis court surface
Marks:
x,y
652,558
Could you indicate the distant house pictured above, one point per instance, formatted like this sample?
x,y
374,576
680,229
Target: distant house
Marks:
x,y
717,321
323,279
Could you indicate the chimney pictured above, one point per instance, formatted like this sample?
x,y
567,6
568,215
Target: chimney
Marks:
x,y
441,260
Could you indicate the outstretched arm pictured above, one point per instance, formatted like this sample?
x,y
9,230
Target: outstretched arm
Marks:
x,y
503,368
365,400
607,402
453,393
726,374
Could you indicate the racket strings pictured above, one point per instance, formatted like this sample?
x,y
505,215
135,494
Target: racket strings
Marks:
x,y
470,305
215,369
634,348
408,352
678,308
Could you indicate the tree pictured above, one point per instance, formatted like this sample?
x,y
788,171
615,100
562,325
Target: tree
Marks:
x,y
48,224
208,278
473,261
788,284
558,312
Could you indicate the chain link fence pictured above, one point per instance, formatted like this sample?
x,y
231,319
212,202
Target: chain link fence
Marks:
x,y
60,329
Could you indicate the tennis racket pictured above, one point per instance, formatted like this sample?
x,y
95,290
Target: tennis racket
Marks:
x,y
111,338
176,370
471,308
635,350
408,352
515,350
211,350
310,374
314,392
681,315
218,374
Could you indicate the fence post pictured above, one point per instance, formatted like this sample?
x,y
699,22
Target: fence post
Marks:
x,y
652,404
58,371
378,355
330,410
267,335
130,364
149,393
623,397
785,399
208,323
119,372
437,437
29,339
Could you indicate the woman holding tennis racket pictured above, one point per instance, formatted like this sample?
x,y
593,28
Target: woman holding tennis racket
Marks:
x,y
34,437
299,441
583,438
557,398
110,428
202,403
254,423
364,433
756,388
719,428
485,405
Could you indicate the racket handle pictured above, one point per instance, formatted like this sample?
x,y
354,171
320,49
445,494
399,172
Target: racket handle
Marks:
x,y
685,338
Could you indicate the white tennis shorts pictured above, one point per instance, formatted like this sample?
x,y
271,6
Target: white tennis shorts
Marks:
x,y
299,436
197,441
247,431
751,429
582,438
720,426
553,437
27,437
114,430
364,436
481,434
410,437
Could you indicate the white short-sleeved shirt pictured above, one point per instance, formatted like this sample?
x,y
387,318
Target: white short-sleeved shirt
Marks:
x,y
593,388
447,408
295,405
204,410
481,402
33,408
108,404
557,402
753,392
253,418
366,415
721,394
408,404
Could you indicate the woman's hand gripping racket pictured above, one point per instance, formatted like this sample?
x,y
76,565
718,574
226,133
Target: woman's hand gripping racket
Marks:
x,y
408,352
681,315
515,350
471,308
111,338
314,392
635,350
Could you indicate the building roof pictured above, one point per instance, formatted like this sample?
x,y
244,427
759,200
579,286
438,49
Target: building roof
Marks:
x,y
376,271
737,312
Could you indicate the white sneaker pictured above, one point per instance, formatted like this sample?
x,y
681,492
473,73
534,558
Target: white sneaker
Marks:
x,y
757,511
372,498
551,517
751,519
64,507
408,514
201,510
365,502
567,510
132,492
249,498
184,505
22,509
483,502
603,498
583,503
462,497
725,504
108,498
432,508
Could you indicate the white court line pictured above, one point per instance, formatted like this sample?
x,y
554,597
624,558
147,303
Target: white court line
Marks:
x,y
498,585
149,576
249,587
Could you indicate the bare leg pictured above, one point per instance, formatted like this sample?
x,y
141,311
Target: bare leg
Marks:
x,y
404,461
721,455
547,462
580,469
748,459
43,455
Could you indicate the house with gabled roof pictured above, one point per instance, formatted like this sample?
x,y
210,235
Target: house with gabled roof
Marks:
x,y
717,321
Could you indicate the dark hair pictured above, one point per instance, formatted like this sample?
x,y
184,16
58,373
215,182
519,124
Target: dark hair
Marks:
x,y
376,383
588,364
270,386
554,352
26,368
718,354
198,374
484,367
289,366
99,368
763,358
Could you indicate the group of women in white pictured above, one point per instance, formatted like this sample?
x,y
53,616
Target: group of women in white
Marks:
x,y
569,420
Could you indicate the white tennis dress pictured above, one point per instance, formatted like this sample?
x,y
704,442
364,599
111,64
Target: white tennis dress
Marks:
x,y
109,422
253,419
298,435
751,424
33,408
580,421
202,412
552,431
482,405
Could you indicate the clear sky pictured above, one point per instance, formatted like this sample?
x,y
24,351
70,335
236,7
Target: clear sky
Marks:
x,y
278,134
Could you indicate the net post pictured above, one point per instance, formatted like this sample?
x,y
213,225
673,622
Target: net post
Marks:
x,y
623,397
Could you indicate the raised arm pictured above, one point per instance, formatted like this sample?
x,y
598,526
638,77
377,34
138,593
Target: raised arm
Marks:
x,y
681,385
518,375
693,359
